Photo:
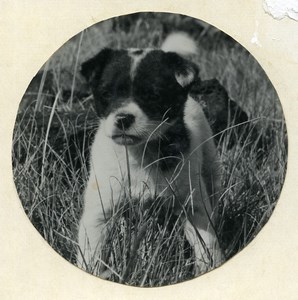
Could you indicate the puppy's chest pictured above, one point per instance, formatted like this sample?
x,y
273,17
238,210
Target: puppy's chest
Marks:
x,y
150,178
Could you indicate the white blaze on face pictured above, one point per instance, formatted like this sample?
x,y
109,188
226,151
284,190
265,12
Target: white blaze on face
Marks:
x,y
136,56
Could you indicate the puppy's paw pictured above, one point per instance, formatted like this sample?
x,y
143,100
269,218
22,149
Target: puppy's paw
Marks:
x,y
106,274
206,263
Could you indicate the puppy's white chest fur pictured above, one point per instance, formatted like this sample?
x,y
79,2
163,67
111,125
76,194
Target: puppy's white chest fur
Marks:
x,y
118,172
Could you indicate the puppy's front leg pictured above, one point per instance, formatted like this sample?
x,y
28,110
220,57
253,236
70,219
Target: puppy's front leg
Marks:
x,y
206,247
93,226
92,232
200,233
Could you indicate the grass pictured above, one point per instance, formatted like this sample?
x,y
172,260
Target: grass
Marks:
x,y
146,246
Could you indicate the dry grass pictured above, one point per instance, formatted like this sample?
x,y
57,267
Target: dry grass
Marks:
x,y
146,246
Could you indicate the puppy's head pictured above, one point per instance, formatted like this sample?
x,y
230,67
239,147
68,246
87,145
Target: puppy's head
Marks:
x,y
138,93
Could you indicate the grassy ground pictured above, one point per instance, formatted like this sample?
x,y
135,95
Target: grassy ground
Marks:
x,y
55,124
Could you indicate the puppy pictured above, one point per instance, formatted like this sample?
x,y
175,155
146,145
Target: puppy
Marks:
x,y
153,141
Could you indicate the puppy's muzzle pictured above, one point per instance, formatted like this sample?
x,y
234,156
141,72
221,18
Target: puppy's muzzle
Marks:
x,y
124,121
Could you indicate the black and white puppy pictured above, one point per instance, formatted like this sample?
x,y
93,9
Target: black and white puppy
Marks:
x,y
150,125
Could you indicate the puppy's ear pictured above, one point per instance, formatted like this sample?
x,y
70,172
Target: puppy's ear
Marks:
x,y
187,74
93,68
185,71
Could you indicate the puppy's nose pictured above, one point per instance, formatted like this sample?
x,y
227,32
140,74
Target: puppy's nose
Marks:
x,y
124,121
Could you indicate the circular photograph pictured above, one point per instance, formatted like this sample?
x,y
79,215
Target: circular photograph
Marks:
x,y
149,149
